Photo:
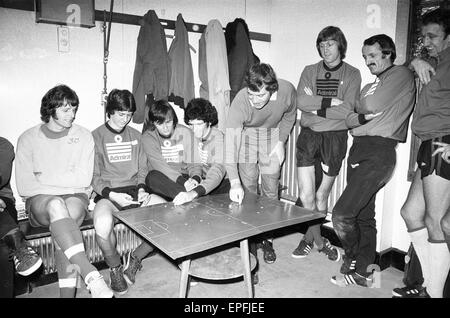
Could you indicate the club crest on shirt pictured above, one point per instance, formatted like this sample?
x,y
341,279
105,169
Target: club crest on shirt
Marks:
x,y
172,153
119,150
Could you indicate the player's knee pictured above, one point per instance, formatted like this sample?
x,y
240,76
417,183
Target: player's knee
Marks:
x,y
307,198
56,208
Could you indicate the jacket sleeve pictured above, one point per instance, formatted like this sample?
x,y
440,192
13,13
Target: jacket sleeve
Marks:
x,y
6,161
305,102
289,117
98,183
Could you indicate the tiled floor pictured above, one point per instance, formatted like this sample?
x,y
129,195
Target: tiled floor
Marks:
x,y
286,278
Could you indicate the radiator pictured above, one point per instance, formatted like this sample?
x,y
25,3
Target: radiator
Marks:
x,y
288,177
126,240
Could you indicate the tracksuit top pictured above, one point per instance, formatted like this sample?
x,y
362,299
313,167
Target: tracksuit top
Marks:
x,y
280,113
173,156
119,159
342,82
432,114
393,94
54,163
6,162
211,154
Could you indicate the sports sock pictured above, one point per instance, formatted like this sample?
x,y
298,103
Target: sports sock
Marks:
x,y
419,239
309,237
143,250
315,230
112,257
439,267
67,274
68,236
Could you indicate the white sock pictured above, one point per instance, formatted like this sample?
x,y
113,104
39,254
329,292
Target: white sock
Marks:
x,y
419,239
439,267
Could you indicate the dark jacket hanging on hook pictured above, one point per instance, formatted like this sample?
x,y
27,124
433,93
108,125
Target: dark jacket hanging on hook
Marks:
x,y
151,72
181,88
240,54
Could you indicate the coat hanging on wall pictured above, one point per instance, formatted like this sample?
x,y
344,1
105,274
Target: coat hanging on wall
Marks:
x,y
151,72
240,54
213,70
181,88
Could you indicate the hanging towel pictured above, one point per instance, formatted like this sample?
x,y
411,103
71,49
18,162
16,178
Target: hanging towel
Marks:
x,y
181,88
213,54
151,72
240,54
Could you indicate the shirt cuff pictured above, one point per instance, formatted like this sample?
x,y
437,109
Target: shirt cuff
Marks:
x,y
200,190
105,192
197,178
181,180
322,113
326,103
362,119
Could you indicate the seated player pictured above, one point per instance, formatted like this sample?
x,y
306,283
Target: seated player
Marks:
x,y
170,153
120,168
200,115
54,165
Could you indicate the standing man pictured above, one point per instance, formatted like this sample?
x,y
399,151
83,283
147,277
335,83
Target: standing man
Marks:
x,y
54,165
258,126
388,102
426,210
323,137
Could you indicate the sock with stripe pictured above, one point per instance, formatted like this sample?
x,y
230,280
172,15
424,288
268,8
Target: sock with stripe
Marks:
x,y
108,247
68,236
143,250
67,275
419,239
439,267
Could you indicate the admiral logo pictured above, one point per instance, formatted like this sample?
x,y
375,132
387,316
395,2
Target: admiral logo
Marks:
x,y
119,151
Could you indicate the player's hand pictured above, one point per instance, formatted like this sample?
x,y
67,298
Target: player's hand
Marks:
x,y
122,199
423,70
372,116
184,197
308,91
336,102
444,150
237,193
2,205
142,195
279,151
190,184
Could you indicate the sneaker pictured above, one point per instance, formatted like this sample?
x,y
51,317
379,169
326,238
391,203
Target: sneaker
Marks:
x,y
268,251
410,292
352,278
348,265
97,286
26,260
132,265
303,249
116,280
331,251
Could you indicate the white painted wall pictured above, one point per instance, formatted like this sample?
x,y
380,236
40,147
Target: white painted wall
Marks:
x,y
30,63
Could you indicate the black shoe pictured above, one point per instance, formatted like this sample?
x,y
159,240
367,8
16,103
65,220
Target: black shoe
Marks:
x,y
410,292
269,252
132,266
330,251
117,281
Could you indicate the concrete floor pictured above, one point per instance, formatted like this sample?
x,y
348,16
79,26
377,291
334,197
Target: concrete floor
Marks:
x,y
286,278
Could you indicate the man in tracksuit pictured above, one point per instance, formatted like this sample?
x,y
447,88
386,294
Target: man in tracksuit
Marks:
x,y
387,103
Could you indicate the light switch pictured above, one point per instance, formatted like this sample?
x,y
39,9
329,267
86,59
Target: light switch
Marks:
x,y
63,39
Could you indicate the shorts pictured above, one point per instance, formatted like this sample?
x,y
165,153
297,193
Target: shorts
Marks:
x,y
33,222
330,147
429,164
131,190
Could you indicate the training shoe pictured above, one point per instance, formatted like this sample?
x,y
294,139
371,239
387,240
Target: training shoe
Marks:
x,y
268,252
303,249
352,278
331,251
410,292
348,265
116,280
97,286
26,260
132,265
